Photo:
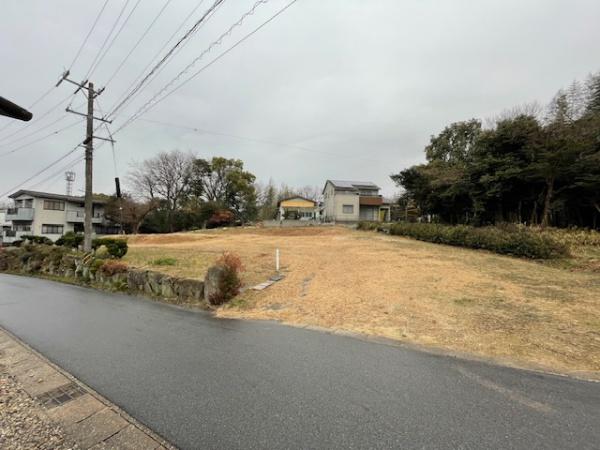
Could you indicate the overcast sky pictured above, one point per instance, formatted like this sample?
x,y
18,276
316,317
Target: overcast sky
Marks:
x,y
340,89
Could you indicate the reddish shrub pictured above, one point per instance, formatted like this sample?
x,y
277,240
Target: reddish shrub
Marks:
x,y
221,218
230,282
111,267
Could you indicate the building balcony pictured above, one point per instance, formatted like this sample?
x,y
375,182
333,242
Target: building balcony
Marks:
x,y
78,216
23,214
370,200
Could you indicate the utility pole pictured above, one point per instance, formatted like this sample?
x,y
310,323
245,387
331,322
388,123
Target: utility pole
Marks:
x,y
89,159
89,153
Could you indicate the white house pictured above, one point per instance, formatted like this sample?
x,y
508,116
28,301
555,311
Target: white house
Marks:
x,y
352,201
51,215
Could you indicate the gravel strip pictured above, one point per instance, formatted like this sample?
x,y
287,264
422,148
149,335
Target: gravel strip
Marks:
x,y
24,423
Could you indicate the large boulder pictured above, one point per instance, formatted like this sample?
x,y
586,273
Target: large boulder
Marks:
x,y
212,285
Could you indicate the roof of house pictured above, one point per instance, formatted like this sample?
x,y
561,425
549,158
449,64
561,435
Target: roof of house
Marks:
x,y
346,184
67,198
294,197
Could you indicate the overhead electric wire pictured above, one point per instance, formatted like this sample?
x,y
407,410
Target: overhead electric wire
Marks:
x,y
88,35
116,35
260,141
146,31
47,167
216,42
16,149
38,119
59,172
147,106
45,94
163,60
59,119
93,65
8,144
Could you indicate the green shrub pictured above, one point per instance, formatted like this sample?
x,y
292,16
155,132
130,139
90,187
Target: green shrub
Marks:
x,y
70,239
95,265
164,262
117,248
37,239
509,240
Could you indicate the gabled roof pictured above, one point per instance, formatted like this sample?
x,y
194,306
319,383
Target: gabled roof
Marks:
x,y
352,185
296,196
67,198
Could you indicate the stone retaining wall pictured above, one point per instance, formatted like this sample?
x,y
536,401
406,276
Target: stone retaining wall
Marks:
x,y
87,270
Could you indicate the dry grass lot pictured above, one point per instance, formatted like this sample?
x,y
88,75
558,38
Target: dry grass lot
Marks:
x,y
518,311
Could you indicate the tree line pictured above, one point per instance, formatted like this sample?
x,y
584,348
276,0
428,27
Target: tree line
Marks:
x,y
176,191
532,165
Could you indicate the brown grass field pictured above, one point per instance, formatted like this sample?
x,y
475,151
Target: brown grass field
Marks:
x,y
519,312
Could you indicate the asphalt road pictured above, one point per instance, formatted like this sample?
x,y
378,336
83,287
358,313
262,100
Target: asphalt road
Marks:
x,y
207,383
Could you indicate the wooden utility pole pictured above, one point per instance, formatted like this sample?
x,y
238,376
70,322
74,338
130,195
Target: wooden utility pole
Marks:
x,y
89,158
89,154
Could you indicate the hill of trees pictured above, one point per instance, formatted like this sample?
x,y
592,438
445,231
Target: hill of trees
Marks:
x,y
531,167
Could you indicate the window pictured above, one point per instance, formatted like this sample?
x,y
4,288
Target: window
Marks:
x,y
52,229
22,227
28,203
348,209
55,205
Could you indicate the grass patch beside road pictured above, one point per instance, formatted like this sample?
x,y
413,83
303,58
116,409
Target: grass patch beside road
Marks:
x,y
447,297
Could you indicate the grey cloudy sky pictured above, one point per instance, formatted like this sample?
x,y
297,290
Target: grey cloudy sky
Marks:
x,y
353,87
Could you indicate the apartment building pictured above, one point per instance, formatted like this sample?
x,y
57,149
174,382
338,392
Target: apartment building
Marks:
x,y
50,215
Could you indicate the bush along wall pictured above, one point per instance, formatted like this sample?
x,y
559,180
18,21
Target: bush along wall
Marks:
x,y
508,240
67,264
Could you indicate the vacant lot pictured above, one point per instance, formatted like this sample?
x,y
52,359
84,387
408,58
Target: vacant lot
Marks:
x,y
447,297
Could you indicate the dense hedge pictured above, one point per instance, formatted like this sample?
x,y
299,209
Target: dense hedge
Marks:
x,y
37,239
116,248
508,240
70,239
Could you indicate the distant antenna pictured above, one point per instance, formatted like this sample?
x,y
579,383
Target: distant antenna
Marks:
x,y
70,177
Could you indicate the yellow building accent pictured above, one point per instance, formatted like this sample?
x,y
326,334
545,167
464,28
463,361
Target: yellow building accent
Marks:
x,y
297,203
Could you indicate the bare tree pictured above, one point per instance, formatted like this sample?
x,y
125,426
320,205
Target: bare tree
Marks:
x,y
165,177
129,212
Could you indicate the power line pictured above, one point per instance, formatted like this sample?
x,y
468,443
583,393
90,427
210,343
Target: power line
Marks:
x,y
88,35
38,119
218,41
157,53
92,66
49,166
16,149
147,106
168,55
45,94
34,132
116,35
261,141
148,28
59,172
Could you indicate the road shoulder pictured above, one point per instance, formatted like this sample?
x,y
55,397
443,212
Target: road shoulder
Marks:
x,y
74,412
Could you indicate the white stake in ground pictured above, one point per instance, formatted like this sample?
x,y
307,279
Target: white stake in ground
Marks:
x,y
277,260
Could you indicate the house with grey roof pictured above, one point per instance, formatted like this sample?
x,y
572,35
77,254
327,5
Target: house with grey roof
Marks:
x,y
50,215
353,201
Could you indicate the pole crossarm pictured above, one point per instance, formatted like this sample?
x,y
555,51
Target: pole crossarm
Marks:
x,y
101,119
